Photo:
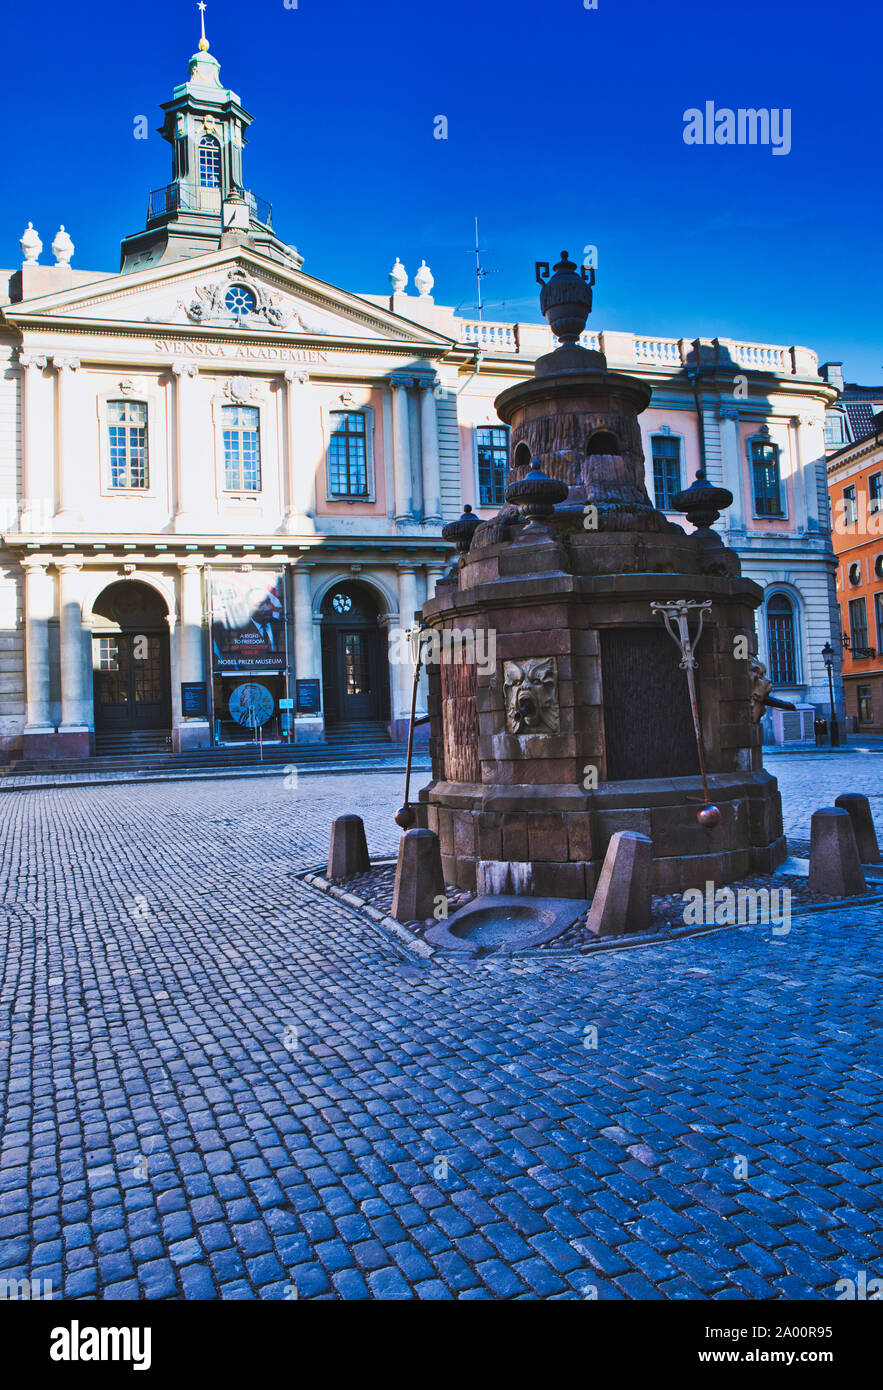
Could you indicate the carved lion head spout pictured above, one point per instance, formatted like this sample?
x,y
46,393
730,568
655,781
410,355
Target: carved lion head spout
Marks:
x,y
760,687
530,688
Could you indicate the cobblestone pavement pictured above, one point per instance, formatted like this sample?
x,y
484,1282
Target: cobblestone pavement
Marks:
x,y
221,1084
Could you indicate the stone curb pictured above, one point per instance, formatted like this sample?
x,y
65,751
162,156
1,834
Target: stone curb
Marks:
x,y
401,936
816,752
424,950
663,938
10,783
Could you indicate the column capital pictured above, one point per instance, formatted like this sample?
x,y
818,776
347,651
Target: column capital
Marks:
x,y
427,383
69,563
295,374
184,369
400,380
34,564
62,364
806,420
726,411
32,359
191,562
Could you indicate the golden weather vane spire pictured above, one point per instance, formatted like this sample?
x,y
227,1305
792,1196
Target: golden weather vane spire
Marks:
x,y
203,42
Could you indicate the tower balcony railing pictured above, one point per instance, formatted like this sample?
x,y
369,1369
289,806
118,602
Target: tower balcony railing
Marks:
x,y
191,197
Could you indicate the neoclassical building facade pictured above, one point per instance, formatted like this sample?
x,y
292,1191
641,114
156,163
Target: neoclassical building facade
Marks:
x,y
223,481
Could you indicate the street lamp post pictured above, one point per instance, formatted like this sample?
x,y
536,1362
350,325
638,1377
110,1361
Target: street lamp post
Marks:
x,y
828,658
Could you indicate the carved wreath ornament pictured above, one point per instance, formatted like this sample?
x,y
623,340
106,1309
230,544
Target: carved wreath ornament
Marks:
x,y
530,688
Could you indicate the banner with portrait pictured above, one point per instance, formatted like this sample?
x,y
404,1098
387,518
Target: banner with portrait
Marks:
x,y
248,620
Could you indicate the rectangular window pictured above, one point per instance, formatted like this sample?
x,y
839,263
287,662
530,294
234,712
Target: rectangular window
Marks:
x,y
348,455
850,506
875,493
865,705
666,469
767,486
834,430
242,448
858,625
127,433
106,654
878,615
492,443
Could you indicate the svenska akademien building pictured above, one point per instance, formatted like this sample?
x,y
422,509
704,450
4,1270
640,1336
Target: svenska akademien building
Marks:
x,y
222,481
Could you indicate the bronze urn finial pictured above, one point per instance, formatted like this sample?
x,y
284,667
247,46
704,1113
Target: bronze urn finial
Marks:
x,y
566,298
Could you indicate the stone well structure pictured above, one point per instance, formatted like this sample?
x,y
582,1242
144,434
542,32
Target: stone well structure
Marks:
x,y
584,726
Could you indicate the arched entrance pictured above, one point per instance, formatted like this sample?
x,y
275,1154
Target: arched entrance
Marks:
x,y
131,679
355,669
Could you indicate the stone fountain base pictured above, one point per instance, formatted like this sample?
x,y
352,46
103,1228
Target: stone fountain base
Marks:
x,y
550,840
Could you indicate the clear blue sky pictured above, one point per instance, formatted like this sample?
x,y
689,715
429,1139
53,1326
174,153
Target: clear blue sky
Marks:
x,y
565,128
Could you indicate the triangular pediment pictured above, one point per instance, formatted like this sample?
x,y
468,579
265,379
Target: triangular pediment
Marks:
x,y
235,290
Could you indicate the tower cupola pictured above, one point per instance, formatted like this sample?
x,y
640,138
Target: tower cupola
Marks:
x,y
206,204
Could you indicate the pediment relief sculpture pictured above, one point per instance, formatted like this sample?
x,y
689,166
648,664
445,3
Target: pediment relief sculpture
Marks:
x,y
241,301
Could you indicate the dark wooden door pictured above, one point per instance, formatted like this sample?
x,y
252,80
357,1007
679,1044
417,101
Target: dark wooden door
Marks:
x,y
131,682
358,674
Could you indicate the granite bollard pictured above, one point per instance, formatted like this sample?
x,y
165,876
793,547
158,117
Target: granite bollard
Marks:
x,y
834,866
858,808
622,899
419,878
348,854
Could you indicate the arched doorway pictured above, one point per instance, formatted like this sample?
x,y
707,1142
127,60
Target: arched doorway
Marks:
x,y
131,679
355,669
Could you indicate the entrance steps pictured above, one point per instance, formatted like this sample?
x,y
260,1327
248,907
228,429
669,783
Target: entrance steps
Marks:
x,y
349,744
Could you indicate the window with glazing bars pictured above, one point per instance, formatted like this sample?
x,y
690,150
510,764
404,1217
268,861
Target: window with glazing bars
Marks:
x,y
767,484
850,505
209,162
875,493
127,432
858,624
865,705
347,455
492,442
666,469
242,448
780,641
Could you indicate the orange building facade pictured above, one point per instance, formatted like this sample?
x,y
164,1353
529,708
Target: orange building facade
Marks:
x,y
855,487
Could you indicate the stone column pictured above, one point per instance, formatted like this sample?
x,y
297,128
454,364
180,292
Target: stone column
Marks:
x,y
73,739
190,731
429,452
37,491
308,728
731,459
402,446
187,500
798,515
68,516
402,673
300,472
39,731
433,575
810,456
